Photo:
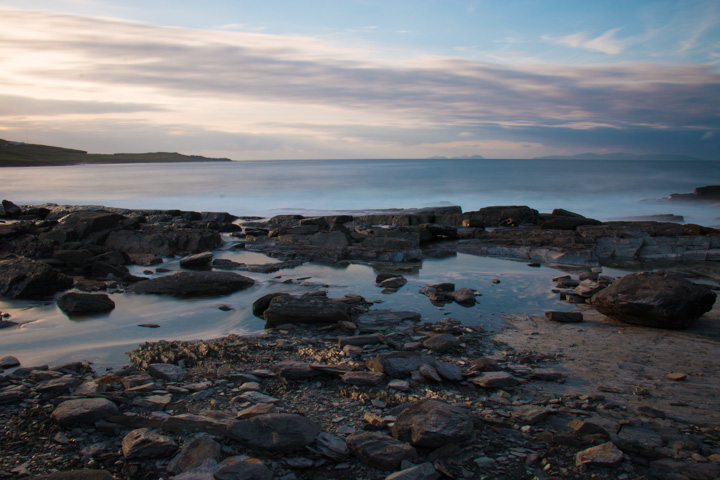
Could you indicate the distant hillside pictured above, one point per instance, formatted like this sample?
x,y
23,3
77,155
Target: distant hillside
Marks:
x,y
463,157
619,156
18,154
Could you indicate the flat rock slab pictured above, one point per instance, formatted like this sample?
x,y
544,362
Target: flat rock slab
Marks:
x,y
194,284
432,423
275,432
366,379
495,380
146,443
295,370
84,411
75,303
380,451
654,299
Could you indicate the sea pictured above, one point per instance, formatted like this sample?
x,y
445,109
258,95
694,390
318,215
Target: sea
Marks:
x,y
605,190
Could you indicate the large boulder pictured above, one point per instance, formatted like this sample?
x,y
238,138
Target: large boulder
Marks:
x,y
80,225
504,215
432,423
9,210
305,309
275,432
194,284
26,278
654,299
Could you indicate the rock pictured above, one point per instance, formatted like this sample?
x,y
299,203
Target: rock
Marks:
x,y
431,423
84,411
74,303
424,471
385,317
305,309
7,324
496,216
399,364
585,427
441,343
163,240
464,297
275,432
363,379
449,371
295,370
605,455
194,284
146,443
9,210
166,371
9,362
653,299
26,278
257,397
531,414
244,470
262,303
495,380
192,455
84,474
564,317
188,422
483,364
429,373
675,377
82,224
394,282
196,260
255,410
379,450
332,446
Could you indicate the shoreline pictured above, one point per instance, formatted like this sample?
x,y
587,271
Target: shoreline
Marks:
x,y
538,398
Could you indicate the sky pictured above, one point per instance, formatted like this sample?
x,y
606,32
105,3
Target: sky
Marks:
x,y
317,79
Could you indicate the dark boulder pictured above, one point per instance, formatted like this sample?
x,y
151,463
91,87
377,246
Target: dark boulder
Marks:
x,y
26,278
197,260
194,284
432,423
80,225
262,303
9,210
654,299
163,240
74,303
306,309
504,215
275,432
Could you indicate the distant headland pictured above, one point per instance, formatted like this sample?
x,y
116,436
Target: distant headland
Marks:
x,y
19,154
620,156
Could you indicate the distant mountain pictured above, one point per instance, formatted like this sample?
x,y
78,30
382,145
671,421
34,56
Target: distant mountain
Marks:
x,y
619,156
463,157
19,154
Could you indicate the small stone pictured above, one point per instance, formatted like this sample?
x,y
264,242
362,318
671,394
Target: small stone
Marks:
x,y
605,455
676,377
442,343
564,317
402,385
424,471
379,450
363,378
255,410
257,397
485,463
429,373
9,362
244,470
146,443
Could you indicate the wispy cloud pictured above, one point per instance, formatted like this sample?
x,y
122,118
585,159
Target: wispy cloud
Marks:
x,y
605,43
310,97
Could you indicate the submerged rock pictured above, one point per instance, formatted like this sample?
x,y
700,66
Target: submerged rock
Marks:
x,y
654,299
194,284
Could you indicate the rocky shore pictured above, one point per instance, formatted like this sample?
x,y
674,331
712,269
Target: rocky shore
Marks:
x,y
623,387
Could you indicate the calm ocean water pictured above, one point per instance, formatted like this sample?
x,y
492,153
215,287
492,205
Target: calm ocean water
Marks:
x,y
602,190
598,189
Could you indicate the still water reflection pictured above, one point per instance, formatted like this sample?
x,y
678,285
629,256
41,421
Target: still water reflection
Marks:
x,y
47,336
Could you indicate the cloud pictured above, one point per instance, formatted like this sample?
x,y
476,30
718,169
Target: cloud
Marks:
x,y
605,43
315,98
